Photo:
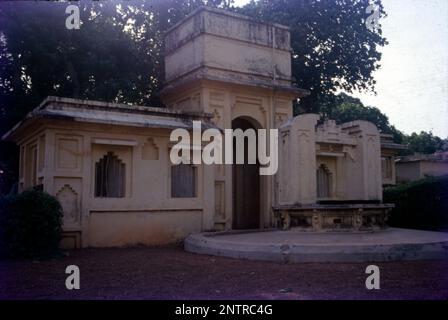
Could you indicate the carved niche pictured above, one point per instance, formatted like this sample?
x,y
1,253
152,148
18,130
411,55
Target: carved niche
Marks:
x,y
150,150
69,200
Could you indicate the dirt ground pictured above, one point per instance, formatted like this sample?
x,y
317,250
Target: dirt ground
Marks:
x,y
170,273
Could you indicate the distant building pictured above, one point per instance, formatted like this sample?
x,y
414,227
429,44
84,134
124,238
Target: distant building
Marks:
x,y
389,152
419,166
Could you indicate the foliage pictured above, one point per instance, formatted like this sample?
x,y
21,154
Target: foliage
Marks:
x,y
346,108
30,224
421,204
425,142
332,47
7,176
4,205
116,55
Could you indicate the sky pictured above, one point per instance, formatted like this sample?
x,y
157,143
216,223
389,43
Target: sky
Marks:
x,y
412,83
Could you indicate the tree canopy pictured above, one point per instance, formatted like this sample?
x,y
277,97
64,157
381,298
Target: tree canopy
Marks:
x,y
347,108
332,47
425,142
117,54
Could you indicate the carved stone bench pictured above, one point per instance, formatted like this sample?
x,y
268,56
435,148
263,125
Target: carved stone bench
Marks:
x,y
333,217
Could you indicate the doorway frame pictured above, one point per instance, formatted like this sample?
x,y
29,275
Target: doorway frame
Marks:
x,y
263,181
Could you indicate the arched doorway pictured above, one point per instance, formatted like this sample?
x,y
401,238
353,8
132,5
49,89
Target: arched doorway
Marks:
x,y
246,186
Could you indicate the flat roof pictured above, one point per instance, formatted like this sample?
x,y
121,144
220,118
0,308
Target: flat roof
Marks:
x,y
224,12
435,157
90,111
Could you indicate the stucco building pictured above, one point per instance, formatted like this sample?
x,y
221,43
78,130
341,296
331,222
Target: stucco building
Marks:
x,y
109,164
389,152
420,166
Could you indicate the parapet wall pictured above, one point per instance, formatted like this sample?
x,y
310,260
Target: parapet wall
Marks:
x,y
222,45
350,154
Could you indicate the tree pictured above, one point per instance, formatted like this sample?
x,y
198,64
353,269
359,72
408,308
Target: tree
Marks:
x,y
332,47
347,108
425,142
116,55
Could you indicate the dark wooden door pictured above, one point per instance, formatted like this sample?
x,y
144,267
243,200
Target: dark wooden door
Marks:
x,y
246,187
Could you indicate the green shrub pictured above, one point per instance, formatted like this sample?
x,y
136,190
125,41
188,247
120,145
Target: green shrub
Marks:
x,y
4,205
421,204
31,224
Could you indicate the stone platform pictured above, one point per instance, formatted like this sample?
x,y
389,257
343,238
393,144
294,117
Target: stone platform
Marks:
x,y
296,246
336,216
